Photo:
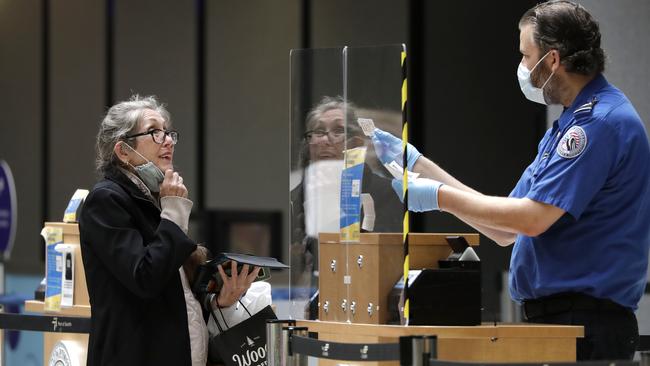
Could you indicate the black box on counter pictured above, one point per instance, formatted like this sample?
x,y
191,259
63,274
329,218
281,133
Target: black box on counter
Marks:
x,y
449,295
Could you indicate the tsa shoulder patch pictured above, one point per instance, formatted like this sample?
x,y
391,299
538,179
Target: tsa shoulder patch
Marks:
x,y
573,143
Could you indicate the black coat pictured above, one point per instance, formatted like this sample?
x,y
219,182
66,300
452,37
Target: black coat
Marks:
x,y
131,258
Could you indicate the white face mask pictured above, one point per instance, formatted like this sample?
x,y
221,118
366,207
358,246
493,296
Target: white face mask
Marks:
x,y
531,92
148,172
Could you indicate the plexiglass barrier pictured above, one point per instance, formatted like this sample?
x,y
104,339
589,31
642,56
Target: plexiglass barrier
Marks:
x,y
346,128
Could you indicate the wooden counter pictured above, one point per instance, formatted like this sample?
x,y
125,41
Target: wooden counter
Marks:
x,y
484,343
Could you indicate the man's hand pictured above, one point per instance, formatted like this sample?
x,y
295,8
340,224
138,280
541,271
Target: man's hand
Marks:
x,y
422,193
172,185
235,286
389,148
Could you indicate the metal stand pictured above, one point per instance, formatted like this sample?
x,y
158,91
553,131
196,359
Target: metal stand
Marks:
x,y
645,358
418,350
293,359
430,349
276,353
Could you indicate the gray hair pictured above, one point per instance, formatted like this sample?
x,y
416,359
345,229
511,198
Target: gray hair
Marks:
x,y
122,120
328,103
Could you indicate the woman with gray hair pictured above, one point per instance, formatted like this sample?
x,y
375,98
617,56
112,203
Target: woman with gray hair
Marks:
x,y
134,243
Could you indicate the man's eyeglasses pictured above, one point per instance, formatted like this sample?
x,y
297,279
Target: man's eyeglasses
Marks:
x,y
158,135
334,135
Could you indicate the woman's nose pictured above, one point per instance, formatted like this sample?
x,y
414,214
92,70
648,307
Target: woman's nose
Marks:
x,y
168,140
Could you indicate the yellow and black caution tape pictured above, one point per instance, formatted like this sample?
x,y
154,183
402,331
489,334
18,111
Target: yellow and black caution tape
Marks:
x,y
405,229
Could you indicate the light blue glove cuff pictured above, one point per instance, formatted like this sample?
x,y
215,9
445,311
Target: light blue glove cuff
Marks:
x,y
412,155
429,199
423,194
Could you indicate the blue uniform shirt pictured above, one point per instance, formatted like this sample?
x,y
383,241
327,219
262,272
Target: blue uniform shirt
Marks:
x,y
594,163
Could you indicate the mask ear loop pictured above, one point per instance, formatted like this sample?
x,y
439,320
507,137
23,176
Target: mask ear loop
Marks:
x,y
547,80
124,164
147,160
540,60
552,72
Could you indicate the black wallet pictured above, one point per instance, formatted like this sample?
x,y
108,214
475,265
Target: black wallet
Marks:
x,y
251,260
265,263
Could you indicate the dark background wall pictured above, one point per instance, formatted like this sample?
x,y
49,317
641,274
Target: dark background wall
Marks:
x,y
469,115
223,69
22,137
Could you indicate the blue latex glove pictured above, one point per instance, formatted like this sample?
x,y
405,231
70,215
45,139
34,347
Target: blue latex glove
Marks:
x,y
423,194
389,148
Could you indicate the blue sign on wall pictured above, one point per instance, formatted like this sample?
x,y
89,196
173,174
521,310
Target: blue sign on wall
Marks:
x,y
7,210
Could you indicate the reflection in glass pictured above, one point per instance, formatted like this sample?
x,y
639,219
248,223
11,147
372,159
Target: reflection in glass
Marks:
x,y
331,89
316,199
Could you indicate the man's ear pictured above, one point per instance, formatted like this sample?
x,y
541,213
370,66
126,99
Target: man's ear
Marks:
x,y
121,152
555,60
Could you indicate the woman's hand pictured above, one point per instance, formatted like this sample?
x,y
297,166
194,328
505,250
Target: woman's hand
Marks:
x,y
235,286
172,185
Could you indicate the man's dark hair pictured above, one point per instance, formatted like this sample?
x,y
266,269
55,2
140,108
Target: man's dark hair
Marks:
x,y
570,29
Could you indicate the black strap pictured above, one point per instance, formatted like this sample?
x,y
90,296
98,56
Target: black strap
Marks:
x,y
579,363
216,320
224,318
242,304
45,323
345,351
391,352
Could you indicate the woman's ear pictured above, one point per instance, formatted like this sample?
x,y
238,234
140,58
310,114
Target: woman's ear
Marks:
x,y
121,152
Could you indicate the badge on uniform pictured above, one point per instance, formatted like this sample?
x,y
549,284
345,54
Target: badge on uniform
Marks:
x,y
573,143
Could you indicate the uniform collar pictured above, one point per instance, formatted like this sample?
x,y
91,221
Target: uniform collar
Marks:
x,y
585,96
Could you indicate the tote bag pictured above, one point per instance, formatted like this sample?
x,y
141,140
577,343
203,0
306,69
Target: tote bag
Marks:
x,y
242,344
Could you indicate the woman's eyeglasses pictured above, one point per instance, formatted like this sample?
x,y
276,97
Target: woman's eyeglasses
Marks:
x,y
158,135
334,135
